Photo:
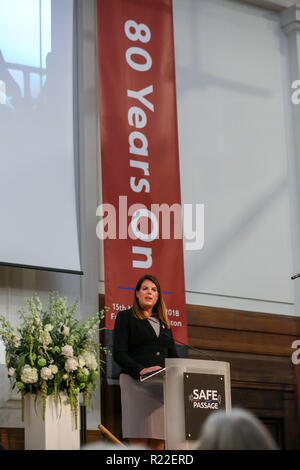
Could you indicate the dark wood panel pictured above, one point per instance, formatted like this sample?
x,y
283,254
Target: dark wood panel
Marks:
x,y
297,375
276,428
93,435
111,409
110,395
12,438
241,341
240,320
251,368
257,398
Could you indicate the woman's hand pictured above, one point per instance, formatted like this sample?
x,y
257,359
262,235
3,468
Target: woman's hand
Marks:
x,y
148,370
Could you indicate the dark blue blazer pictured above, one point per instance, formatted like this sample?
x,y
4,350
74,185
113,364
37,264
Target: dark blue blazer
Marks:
x,y
136,345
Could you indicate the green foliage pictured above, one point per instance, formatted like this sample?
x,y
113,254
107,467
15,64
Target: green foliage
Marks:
x,y
52,351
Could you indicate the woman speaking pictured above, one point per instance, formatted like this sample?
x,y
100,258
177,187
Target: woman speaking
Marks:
x,y
142,341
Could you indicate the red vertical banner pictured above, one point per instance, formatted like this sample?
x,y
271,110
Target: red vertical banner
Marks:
x,y
141,212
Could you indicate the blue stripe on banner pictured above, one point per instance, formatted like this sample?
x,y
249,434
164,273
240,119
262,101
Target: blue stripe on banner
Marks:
x,y
132,288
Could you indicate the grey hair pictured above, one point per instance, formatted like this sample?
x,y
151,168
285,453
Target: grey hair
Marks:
x,y
235,430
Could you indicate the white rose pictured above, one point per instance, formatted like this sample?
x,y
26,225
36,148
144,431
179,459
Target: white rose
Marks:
x,y
86,371
46,373
65,376
71,364
48,327
29,375
90,360
17,341
45,338
67,351
81,361
53,368
12,372
66,330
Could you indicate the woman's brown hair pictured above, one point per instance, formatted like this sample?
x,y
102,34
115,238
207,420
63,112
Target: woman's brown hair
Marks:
x,y
159,308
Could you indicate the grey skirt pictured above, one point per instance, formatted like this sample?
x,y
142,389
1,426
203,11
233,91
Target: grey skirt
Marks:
x,y
142,408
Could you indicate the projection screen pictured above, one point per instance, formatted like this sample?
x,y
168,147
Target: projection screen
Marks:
x,y
38,162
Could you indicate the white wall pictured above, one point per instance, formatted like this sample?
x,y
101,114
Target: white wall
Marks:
x,y
233,91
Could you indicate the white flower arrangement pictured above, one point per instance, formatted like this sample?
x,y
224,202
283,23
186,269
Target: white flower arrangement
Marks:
x,y
53,351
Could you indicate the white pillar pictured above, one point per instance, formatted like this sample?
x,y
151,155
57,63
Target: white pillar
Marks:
x,y
57,432
90,180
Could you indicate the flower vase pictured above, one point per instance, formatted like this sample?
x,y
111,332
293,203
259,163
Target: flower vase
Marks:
x,y
57,431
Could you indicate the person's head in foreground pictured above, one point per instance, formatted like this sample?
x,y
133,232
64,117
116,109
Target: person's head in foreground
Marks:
x,y
235,430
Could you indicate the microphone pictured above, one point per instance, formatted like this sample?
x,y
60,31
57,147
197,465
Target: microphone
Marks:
x,y
187,345
196,349
295,276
